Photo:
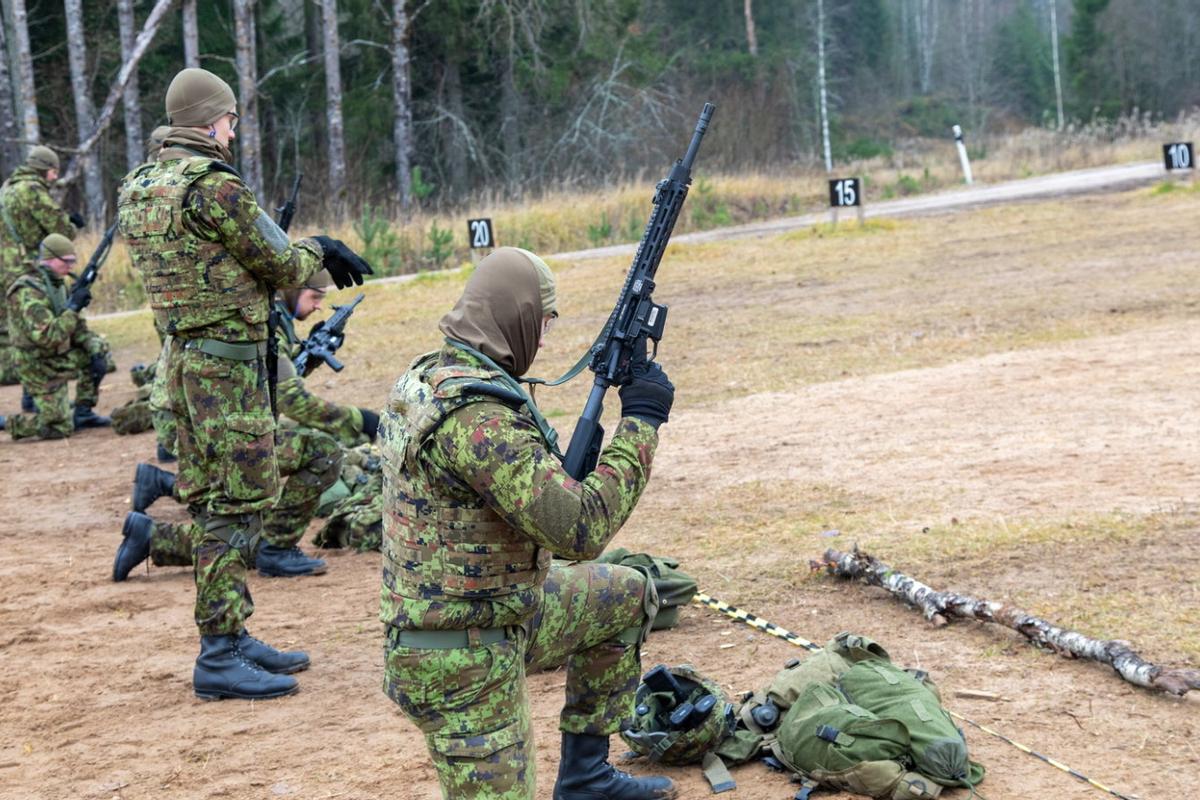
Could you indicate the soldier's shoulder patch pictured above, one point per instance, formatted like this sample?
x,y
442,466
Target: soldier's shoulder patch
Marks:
x,y
272,234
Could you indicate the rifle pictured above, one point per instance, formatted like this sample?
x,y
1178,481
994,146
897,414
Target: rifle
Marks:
x,y
99,256
324,340
636,317
286,212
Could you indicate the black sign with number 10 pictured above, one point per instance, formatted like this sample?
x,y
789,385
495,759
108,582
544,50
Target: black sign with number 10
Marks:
x,y
1179,155
479,231
845,193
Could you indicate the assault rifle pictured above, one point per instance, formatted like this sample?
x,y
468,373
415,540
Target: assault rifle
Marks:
x,y
636,316
286,212
324,340
99,256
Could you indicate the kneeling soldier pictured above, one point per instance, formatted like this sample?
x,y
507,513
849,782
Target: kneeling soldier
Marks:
x,y
53,346
474,505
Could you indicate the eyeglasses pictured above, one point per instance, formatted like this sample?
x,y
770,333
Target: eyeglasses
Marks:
x,y
233,120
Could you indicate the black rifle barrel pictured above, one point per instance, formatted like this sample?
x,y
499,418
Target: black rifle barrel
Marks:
x,y
635,317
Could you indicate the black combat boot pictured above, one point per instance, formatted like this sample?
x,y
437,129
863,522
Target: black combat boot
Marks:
x,y
27,404
164,455
86,417
135,547
585,774
286,562
272,660
223,671
149,484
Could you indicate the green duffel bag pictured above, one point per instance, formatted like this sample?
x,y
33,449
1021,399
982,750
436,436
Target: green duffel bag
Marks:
x,y
823,666
939,749
832,742
675,589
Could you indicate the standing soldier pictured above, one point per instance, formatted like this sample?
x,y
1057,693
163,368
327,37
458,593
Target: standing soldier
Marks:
x,y
28,214
474,505
53,345
210,260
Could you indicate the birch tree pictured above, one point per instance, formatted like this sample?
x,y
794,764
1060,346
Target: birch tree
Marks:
x,y
191,35
248,137
402,99
333,105
822,86
85,112
26,94
134,143
926,22
751,35
9,154
1058,92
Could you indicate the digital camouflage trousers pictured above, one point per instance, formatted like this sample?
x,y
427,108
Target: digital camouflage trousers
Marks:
x,y
472,704
230,459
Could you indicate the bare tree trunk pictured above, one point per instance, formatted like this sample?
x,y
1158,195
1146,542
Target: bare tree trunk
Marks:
x,y
26,93
84,110
191,35
926,20
140,45
402,98
134,144
937,606
9,151
249,143
822,87
456,139
333,107
751,35
1058,93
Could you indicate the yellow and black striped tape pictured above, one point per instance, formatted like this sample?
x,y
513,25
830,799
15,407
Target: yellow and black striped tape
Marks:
x,y
769,627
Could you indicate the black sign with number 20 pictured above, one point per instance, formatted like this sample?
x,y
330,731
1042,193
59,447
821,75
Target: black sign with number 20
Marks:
x,y
480,233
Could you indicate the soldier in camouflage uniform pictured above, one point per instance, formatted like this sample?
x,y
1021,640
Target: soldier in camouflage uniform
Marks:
x,y
53,345
28,214
210,260
475,503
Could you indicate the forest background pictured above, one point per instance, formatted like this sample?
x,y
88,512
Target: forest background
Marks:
x,y
393,108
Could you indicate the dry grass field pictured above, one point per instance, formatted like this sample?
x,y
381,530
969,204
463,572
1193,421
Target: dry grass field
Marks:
x,y
1003,402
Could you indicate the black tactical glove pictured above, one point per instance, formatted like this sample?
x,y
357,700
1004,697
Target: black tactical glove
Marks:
x,y
370,423
649,395
77,219
79,298
345,266
97,368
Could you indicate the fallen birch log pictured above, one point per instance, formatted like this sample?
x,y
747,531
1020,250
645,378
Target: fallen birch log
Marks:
x,y
938,607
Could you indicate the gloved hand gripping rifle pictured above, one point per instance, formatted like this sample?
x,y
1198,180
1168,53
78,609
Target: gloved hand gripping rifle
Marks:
x,y
92,271
636,316
286,212
324,340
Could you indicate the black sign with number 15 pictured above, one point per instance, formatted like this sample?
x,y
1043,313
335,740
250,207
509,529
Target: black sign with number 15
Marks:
x,y
845,193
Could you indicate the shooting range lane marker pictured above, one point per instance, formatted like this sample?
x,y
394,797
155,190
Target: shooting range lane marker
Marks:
x,y
700,598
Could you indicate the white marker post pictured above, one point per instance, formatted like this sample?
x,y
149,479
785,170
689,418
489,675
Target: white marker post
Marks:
x,y
962,154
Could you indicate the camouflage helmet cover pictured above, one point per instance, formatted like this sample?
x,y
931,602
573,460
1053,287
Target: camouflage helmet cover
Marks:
x,y
652,735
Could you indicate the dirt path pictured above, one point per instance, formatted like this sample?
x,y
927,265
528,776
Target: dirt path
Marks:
x,y
94,676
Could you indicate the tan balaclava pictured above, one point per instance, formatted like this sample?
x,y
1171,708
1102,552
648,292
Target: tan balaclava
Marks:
x,y
501,308
56,246
197,98
42,158
291,297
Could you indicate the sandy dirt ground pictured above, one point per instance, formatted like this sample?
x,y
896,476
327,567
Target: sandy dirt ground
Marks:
x,y
95,695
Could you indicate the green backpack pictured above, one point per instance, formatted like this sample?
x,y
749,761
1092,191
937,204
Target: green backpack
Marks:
x,y
675,589
938,747
832,742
